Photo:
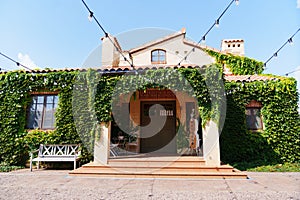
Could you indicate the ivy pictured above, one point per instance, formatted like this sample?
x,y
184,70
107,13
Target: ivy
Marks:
x,y
238,65
85,100
279,142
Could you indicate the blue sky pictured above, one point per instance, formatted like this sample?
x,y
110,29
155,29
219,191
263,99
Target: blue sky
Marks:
x,y
57,33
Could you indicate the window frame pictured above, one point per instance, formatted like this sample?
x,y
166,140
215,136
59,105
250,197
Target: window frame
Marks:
x,y
54,105
159,55
253,104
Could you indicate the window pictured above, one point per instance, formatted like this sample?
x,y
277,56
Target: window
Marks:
x,y
41,112
158,56
253,116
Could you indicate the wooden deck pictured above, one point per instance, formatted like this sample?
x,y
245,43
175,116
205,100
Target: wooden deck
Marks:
x,y
158,167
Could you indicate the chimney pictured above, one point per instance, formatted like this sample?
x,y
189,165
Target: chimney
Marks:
x,y
110,54
233,46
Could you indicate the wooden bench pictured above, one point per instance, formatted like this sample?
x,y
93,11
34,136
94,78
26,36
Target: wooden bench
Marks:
x,y
55,153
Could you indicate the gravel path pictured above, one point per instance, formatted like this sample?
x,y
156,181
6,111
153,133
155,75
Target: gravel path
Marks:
x,y
48,184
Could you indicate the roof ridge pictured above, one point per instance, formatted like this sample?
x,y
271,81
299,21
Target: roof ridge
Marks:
x,y
157,41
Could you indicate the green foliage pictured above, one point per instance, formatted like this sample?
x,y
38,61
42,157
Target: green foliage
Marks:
x,y
34,138
238,65
8,168
279,142
182,140
85,100
285,167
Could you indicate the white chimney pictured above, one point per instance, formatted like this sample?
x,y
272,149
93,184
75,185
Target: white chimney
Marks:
x,y
233,46
110,53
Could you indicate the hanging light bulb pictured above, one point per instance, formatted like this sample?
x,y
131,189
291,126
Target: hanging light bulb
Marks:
x,y
217,23
237,2
203,39
91,15
265,65
291,41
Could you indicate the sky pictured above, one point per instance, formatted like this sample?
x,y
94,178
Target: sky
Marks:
x,y
58,34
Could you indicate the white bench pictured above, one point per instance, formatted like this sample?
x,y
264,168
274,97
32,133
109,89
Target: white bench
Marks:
x,y
55,153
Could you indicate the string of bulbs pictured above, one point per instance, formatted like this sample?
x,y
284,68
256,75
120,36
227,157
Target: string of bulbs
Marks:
x,y
292,72
216,23
290,41
17,63
91,17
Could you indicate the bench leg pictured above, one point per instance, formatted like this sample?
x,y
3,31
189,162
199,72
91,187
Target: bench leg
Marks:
x,y
74,164
38,164
31,164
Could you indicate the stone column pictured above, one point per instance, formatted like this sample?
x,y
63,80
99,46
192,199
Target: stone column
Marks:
x,y
102,144
211,146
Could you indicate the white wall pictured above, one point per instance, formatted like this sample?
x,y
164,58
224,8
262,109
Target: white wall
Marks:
x,y
176,50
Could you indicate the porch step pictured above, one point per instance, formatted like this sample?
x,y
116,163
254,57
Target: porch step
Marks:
x,y
158,167
164,161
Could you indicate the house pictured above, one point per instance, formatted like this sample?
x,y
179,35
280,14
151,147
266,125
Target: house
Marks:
x,y
178,98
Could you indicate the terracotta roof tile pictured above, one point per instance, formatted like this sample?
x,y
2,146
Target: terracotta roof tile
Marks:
x,y
248,78
124,69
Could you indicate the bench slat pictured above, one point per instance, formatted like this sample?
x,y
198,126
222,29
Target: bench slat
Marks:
x,y
56,153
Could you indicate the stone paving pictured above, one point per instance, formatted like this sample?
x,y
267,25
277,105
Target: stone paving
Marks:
x,y
57,184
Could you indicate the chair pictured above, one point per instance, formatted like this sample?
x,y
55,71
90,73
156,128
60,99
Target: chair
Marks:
x,y
113,149
132,144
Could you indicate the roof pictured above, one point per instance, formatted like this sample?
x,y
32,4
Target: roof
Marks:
x,y
169,37
248,78
201,46
107,70
122,70
158,41
232,40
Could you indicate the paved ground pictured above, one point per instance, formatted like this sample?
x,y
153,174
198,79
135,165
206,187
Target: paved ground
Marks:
x,y
46,184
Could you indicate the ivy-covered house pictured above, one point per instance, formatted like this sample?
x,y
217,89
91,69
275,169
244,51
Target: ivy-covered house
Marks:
x,y
178,97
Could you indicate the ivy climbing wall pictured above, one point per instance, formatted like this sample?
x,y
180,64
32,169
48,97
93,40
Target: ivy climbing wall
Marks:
x,y
278,142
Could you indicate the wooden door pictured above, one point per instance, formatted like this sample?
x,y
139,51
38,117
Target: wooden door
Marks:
x,y
164,141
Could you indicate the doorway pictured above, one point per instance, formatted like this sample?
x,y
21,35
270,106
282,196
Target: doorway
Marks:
x,y
164,140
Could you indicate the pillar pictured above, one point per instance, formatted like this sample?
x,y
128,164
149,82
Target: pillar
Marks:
x,y
211,146
102,144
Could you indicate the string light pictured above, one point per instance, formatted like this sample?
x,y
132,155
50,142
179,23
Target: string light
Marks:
x,y
203,39
291,72
290,40
17,63
1,69
91,17
216,23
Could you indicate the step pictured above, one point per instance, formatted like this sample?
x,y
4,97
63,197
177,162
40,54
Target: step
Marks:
x,y
151,169
149,164
158,174
159,167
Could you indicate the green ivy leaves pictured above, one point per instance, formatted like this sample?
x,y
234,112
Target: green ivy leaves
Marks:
x,y
238,65
279,98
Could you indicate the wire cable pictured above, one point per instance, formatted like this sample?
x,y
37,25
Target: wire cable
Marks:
x,y
17,63
92,16
1,69
216,23
286,74
290,40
